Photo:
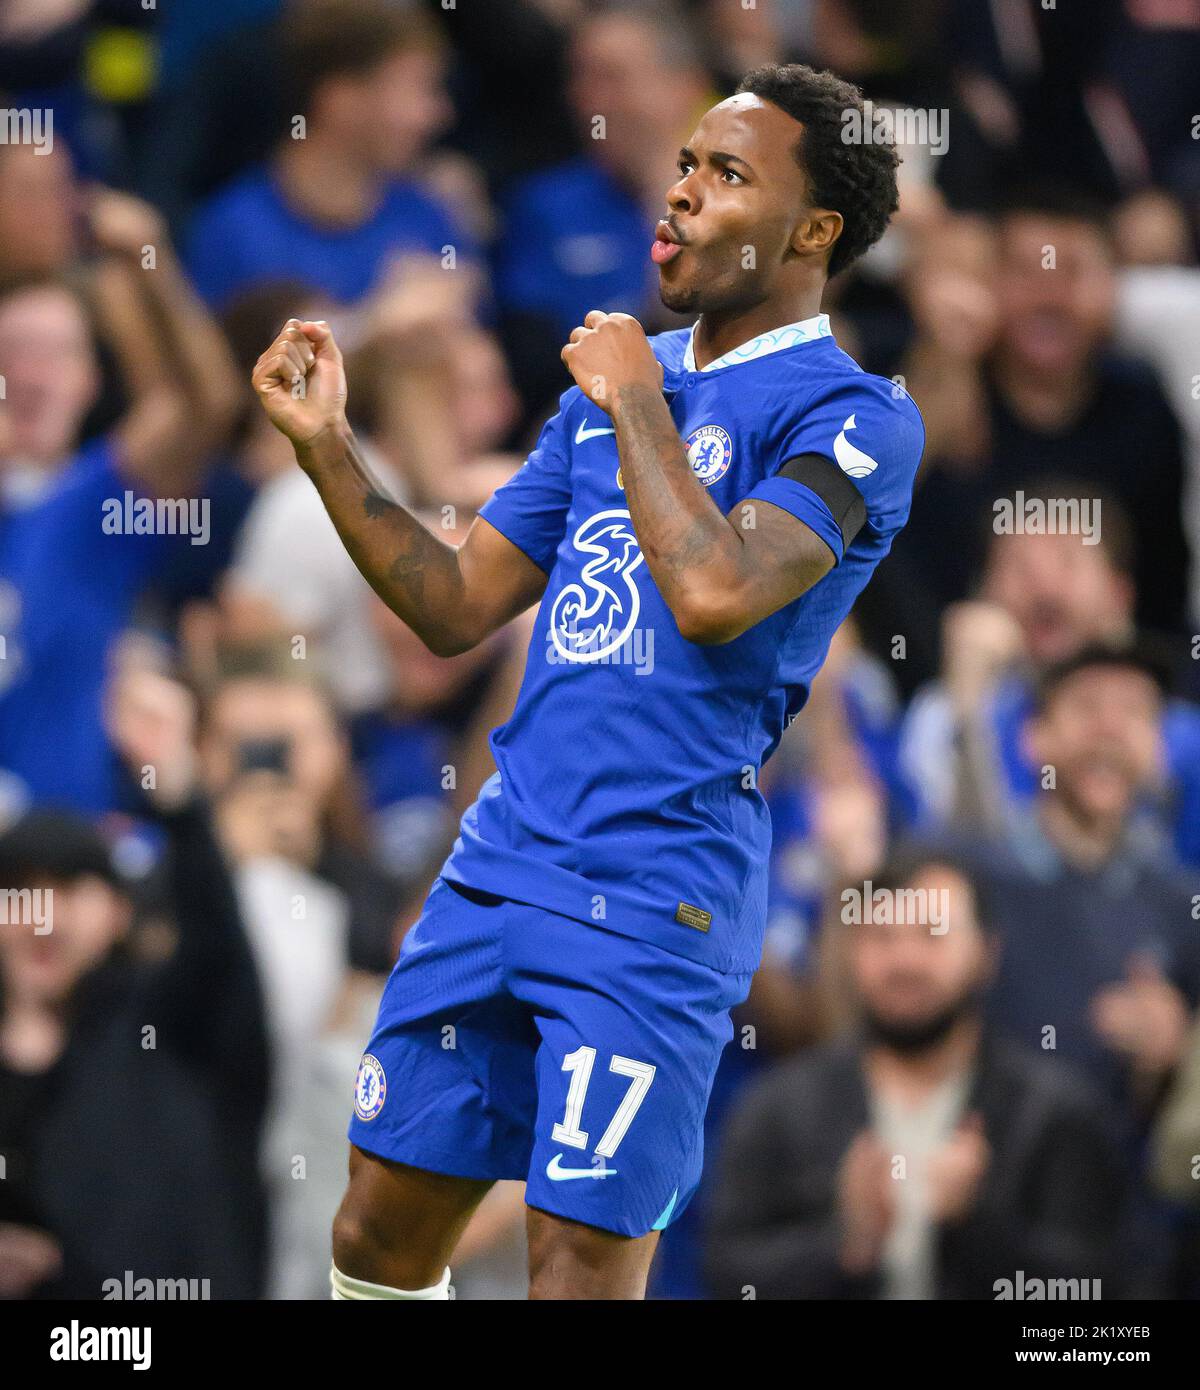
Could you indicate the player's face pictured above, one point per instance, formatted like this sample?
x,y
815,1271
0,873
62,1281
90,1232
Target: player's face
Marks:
x,y
734,210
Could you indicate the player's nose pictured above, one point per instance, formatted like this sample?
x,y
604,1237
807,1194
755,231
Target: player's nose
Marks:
x,y
683,195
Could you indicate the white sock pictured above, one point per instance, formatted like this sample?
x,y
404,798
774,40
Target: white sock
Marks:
x,y
358,1289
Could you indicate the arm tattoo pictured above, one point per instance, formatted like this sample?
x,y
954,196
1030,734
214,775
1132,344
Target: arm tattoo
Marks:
x,y
415,573
696,553
408,571
679,528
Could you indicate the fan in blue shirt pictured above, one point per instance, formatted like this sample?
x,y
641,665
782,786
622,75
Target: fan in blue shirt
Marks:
x,y
83,532
249,233
696,521
550,264
338,202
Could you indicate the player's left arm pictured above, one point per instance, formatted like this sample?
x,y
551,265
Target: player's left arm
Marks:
x,y
719,574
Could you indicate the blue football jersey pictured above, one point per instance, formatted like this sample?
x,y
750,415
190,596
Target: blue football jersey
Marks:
x,y
626,793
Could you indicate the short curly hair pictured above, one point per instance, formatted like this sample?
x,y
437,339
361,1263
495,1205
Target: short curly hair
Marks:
x,y
856,179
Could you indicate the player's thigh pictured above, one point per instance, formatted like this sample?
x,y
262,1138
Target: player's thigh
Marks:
x,y
568,1260
443,1101
398,1225
631,1037
446,1083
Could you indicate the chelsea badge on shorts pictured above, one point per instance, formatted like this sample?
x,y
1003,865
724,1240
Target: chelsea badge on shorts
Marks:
x,y
370,1089
710,452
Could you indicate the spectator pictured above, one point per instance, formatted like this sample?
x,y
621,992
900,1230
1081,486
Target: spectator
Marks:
x,y
218,107
438,397
1176,1152
131,1087
68,514
1100,960
922,1157
274,759
1055,399
1158,319
290,573
1042,598
504,51
1019,72
337,202
576,235
491,1259
53,225
829,826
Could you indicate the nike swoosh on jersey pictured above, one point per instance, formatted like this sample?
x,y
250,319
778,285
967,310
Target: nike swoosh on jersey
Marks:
x,y
556,1173
583,433
852,460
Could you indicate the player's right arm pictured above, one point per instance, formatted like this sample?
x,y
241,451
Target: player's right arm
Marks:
x,y
451,596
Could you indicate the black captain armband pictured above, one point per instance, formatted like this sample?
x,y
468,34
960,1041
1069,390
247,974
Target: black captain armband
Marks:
x,y
833,487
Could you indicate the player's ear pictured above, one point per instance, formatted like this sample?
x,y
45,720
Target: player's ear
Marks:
x,y
816,232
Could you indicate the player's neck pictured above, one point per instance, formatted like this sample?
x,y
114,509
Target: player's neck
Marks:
x,y
720,332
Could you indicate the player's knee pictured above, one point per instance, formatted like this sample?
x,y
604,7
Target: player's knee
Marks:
x,y
361,1249
355,1248
569,1261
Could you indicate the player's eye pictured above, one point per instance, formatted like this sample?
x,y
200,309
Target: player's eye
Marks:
x,y
685,168
733,174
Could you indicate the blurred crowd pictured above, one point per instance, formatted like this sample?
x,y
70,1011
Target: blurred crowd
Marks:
x,y
228,774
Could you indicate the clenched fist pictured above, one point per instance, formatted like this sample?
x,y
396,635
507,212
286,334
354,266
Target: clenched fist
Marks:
x,y
301,382
608,353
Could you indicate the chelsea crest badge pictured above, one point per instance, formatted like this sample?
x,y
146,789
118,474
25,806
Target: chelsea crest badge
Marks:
x,y
370,1089
710,452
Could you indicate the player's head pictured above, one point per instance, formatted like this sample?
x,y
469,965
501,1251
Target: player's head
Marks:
x,y
921,957
367,75
775,193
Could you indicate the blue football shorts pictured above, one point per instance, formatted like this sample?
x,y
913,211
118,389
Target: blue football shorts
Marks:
x,y
513,1042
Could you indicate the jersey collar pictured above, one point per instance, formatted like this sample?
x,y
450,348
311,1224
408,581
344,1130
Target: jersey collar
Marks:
x,y
790,335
